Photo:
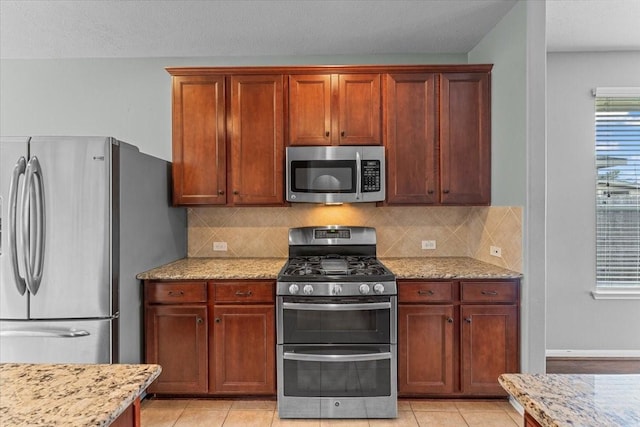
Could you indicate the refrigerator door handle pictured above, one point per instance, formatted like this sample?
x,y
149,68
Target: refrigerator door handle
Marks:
x,y
18,170
50,333
34,260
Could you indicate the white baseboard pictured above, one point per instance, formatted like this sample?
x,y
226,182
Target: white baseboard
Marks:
x,y
593,353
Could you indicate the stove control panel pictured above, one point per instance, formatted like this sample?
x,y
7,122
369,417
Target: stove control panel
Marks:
x,y
342,289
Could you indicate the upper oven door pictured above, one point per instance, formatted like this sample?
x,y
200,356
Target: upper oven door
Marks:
x,y
336,320
335,174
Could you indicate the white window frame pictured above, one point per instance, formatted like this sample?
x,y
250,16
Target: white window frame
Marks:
x,y
609,291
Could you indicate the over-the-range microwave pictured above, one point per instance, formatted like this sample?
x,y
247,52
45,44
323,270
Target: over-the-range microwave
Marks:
x,y
335,174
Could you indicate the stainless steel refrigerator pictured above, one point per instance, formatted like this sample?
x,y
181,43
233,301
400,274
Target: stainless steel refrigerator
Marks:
x,y
79,218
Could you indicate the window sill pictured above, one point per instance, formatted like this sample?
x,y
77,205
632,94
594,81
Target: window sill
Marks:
x,y
616,293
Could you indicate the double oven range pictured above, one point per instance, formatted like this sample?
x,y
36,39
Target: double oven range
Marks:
x,y
336,327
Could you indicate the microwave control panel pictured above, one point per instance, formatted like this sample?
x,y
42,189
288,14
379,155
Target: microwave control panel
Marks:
x,y
371,176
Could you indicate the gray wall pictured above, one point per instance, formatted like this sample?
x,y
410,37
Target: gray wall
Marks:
x,y
129,99
516,46
575,320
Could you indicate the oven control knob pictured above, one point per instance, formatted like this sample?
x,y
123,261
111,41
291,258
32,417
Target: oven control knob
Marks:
x,y
378,288
308,289
337,289
364,289
293,289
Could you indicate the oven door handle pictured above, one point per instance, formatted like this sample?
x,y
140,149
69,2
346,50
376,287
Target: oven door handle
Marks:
x,y
364,357
337,307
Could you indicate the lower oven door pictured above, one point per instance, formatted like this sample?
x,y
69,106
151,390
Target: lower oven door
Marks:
x,y
337,381
335,320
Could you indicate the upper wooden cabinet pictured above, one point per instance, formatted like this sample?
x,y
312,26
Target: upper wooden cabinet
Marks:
x,y
231,126
438,138
199,148
334,109
247,136
465,139
257,143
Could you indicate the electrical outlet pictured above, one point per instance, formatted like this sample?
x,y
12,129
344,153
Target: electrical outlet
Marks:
x,y
220,246
495,251
428,244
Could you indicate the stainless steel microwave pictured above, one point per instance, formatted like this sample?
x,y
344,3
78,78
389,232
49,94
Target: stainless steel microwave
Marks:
x,y
335,174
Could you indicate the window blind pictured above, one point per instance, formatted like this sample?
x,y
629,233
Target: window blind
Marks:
x,y
617,129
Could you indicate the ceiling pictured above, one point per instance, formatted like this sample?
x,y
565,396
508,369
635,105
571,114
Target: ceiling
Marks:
x,y
143,28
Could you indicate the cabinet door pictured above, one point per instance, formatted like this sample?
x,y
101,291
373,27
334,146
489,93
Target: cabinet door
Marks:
x,y
199,165
257,144
244,349
425,349
412,162
489,347
359,109
176,339
465,139
310,109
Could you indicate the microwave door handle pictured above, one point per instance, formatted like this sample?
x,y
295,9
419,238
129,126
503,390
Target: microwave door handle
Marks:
x,y
365,357
358,175
18,170
336,307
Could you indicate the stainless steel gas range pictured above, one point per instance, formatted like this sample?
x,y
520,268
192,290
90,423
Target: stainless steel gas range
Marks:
x,y
336,326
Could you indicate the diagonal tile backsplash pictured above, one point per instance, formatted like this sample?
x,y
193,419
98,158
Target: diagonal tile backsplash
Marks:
x,y
458,231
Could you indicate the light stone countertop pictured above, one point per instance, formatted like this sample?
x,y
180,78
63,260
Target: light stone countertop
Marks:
x,y
557,400
268,268
70,395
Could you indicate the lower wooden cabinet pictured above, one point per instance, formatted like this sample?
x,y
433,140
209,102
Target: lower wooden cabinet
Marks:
x,y
243,351
211,338
455,338
176,339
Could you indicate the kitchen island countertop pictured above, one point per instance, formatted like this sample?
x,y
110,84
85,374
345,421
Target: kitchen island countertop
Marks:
x,y
556,400
70,394
268,268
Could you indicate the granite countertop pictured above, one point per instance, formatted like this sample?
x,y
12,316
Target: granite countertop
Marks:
x,y
268,268
556,400
68,394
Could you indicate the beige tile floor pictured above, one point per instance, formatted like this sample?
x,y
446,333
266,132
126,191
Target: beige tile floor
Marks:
x,y
263,413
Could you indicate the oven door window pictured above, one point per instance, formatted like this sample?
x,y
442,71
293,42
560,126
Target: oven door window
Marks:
x,y
323,176
337,371
334,321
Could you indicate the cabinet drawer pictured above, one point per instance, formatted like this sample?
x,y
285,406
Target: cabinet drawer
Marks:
x,y
251,292
176,292
489,291
425,291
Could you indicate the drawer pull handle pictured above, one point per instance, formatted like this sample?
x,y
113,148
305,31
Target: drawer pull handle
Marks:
x,y
243,294
423,292
176,293
491,293
449,319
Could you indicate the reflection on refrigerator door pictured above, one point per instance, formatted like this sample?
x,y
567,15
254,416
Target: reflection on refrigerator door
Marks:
x,y
83,341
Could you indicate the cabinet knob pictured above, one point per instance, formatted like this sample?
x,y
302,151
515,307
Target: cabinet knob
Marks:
x,y
199,321
467,319
326,133
445,191
449,319
221,192
342,133
218,320
236,192
430,192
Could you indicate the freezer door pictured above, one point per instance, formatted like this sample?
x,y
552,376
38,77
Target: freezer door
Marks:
x,y
76,279
13,296
86,341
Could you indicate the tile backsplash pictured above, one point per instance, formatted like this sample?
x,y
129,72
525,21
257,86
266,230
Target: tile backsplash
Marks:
x,y
458,231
